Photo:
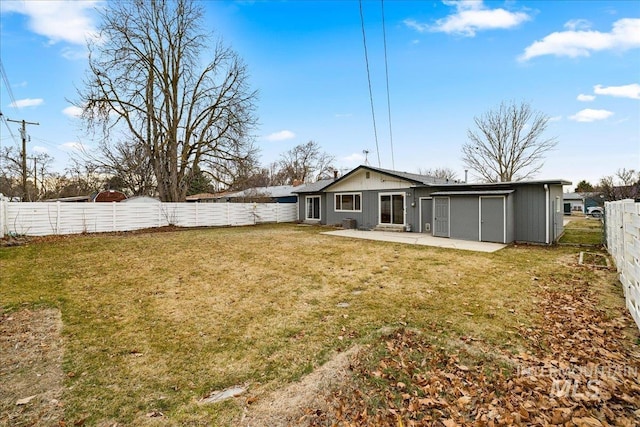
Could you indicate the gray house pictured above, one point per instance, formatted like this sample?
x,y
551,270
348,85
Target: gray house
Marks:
x,y
371,198
573,202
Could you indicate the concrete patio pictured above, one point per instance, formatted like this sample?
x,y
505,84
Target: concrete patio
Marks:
x,y
419,239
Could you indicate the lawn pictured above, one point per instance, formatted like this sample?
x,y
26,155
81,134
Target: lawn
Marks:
x,y
583,231
154,322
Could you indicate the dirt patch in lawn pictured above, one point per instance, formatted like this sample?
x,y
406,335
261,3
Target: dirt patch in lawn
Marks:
x,y
581,368
31,377
294,404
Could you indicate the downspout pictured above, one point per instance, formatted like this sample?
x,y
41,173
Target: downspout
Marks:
x,y
546,205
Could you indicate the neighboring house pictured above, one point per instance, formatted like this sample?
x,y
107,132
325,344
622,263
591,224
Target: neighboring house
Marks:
x,y
141,199
109,196
273,194
379,199
205,197
101,196
573,202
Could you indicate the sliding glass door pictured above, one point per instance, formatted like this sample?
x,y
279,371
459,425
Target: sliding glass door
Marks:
x,y
392,209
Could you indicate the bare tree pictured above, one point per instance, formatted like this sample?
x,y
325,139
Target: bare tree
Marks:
x,y
126,163
304,163
146,78
11,175
11,172
442,173
624,185
508,144
82,179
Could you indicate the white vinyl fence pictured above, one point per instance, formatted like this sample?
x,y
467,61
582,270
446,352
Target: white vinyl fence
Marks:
x,y
46,218
622,223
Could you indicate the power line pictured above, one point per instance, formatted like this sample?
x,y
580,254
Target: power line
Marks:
x,y
5,79
366,59
386,69
4,120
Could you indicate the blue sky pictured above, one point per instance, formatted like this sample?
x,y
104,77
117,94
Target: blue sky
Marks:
x,y
576,61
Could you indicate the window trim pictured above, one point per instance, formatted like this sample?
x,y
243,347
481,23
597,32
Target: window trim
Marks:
x,y
306,201
335,204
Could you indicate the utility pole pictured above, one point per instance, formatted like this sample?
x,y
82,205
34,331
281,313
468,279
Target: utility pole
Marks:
x,y
23,135
35,177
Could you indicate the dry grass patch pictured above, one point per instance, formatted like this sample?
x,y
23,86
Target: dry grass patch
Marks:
x,y
155,322
31,375
584,231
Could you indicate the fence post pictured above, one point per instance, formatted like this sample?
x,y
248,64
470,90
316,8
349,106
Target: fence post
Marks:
x,y
3,215
58,205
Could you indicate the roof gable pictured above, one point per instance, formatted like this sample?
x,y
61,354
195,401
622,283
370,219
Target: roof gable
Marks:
x,y
370,178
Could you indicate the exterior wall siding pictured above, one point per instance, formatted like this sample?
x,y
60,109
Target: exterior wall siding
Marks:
x,y
510,237
525,209
463,217
375,181
558,213
529,206
368,219
302,206
414,211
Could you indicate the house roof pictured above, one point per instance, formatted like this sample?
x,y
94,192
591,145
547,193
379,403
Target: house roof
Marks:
x,y
507,183
407,176
204,196
572,196
315,187
141,199
473,193
426,180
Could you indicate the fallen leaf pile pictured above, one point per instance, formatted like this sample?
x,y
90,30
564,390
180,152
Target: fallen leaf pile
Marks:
x,y
580,369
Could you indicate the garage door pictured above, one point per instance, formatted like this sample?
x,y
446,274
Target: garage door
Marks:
x,y
492,221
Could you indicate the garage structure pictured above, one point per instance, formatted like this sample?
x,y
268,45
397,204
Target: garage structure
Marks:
x,y
370,198
486,216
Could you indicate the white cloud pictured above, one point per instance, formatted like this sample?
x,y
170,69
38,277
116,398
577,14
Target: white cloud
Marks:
x,y
74,54
343,115
72,111
68,21
353,158
471,16
624,35
589,115
585,98
72,146
27,102
627,91
281,135
577,24
555,118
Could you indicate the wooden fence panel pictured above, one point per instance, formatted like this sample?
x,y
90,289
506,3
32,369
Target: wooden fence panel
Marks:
x,y
622,221
46,218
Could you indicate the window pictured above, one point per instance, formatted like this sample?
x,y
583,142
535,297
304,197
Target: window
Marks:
x,y
392,209
312,207
348,202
